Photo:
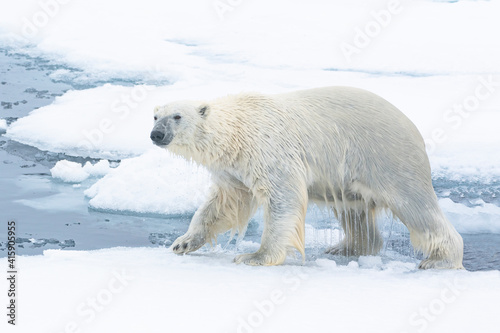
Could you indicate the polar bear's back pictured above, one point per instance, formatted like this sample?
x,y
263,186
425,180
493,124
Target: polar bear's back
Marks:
x,y
359,134
345,108
346,116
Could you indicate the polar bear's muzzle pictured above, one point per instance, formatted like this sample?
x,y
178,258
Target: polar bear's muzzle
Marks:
x,y
161,135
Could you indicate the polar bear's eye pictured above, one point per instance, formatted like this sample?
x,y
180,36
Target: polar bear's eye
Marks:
x,y
155,117
177,117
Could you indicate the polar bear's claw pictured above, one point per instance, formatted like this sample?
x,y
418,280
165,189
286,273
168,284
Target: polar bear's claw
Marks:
x,y
187,243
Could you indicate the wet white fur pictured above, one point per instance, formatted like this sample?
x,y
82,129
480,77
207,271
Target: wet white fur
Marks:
x,y
340,146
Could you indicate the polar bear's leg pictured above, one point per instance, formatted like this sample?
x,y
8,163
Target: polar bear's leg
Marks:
x,y
430,230
362,236
225,209
284,223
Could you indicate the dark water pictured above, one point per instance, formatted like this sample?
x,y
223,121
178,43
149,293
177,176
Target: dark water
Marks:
x,y
481,252
51,214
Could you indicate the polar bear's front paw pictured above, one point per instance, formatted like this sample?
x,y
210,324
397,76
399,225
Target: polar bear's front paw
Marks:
x,y
188,243
259,259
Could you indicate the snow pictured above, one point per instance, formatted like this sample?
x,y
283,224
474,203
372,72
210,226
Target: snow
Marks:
x,y
98,169
73,172
153,290
419,55
451,97
482,218
68,171
98,122
3,125
153,183
196,40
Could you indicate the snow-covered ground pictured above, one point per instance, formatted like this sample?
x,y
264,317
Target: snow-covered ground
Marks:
x,y
437,61
153,290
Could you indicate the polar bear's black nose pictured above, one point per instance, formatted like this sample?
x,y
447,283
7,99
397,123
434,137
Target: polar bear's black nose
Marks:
x,y
157,136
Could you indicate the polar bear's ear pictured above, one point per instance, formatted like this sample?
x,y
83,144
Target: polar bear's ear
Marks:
x,y
203,110
156,109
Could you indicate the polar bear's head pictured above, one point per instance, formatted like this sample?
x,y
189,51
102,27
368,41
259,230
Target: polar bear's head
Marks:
x,y
176,123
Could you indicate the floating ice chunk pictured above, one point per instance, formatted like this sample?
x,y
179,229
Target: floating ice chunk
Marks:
x,y
3,125
483,218
67,243
154,183
68,171
99,169
60,202
73,172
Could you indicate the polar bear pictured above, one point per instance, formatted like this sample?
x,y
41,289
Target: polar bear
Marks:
x,y
342,147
